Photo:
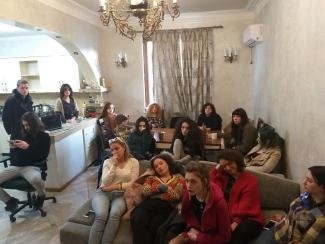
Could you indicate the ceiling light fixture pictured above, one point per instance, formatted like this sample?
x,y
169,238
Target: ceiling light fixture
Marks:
x,y
149,12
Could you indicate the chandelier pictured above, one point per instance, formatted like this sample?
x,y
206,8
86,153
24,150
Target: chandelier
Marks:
x,y
149,12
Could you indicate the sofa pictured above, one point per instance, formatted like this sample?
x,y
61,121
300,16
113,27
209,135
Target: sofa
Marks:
x,y
276,196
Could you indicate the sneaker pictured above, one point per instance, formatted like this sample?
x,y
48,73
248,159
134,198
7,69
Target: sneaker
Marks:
x,y
38,204
12,205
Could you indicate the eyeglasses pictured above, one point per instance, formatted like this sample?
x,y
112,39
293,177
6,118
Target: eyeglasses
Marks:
x,y
116,139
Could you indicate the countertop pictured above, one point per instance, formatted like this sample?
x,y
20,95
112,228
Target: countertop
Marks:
x,y
70,128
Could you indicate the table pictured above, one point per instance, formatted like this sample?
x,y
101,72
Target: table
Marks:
x,y
164,138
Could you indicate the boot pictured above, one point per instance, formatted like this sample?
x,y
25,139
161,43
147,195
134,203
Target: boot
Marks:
x,y
12,205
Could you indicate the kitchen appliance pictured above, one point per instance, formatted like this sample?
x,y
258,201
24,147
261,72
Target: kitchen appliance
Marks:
x,y
52,122
42,110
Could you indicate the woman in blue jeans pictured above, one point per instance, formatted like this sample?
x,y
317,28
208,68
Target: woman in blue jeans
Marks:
x,y
119,172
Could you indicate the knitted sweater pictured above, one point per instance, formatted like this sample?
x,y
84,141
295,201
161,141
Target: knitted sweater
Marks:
x,y
175,187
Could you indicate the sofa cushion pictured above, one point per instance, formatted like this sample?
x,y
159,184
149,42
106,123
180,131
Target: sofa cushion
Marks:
x,y
74,233
276,192
83,215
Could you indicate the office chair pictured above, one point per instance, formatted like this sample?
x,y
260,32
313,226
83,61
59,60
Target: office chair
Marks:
x,y
19,183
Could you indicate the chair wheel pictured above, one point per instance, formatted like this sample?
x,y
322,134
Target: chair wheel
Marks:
x,y
43,214
12,219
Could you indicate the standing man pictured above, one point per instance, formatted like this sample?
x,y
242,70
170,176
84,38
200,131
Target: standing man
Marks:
x,y
15,106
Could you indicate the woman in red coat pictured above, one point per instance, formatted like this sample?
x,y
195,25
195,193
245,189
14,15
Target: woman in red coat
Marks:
x,y
204,209
242,194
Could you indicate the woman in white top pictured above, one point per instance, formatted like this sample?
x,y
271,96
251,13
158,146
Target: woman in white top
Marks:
x,y
66,105
119,172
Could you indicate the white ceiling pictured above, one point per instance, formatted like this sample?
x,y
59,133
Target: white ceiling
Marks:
x,y
188,5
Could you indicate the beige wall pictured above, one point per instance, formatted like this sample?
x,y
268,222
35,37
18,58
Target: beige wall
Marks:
x,y
231,86
289,79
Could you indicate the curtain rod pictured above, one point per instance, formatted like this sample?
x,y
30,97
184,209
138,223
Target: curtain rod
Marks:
x,y
204,27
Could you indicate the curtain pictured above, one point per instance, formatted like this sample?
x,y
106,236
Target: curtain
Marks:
x,y
182,69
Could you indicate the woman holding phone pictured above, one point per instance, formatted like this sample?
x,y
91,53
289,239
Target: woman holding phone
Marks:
x,y
305,222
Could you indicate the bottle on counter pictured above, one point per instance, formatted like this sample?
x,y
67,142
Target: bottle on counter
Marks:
x,y
84,106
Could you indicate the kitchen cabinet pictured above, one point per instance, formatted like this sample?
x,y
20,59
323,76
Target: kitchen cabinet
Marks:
x,y
45,74
9,75
67,158
90,145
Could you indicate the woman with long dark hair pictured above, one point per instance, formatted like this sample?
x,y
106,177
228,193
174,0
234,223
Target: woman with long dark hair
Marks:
x,y
265,156
161,192
107,122
141,142
209,119
240,134
187,143
66,105
31,148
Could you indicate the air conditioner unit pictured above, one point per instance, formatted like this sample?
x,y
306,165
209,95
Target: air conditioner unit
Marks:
x,y
253,34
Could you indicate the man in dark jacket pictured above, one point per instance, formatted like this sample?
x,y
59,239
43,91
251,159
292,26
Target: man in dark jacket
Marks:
x,y
15,106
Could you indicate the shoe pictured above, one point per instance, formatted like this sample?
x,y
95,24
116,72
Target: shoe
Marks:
x,y
12,205
38,204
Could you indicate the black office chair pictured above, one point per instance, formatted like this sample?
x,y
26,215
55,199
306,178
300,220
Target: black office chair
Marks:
x,y
19,183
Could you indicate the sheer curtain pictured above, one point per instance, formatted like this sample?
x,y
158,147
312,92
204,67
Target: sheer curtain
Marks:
x,y
182,70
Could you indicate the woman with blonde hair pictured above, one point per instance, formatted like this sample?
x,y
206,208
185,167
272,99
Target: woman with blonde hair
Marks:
x,y
119,172
155,116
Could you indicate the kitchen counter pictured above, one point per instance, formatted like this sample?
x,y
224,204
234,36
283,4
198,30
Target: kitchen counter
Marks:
x,y
73,148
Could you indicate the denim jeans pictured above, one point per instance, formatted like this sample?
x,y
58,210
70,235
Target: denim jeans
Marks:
x,y
30,173
266,237
108,207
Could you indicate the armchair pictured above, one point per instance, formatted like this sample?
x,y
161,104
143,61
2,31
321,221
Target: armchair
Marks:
x,y
19,183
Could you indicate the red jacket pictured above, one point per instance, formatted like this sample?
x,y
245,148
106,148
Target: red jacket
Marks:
x,y
244,200
215,221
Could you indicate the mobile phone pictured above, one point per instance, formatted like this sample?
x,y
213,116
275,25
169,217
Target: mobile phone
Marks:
x,y
12,143
269,224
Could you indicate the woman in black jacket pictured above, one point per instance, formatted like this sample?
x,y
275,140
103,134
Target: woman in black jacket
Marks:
x,y
28,150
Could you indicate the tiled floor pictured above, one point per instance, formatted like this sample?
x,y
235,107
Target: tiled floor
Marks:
x,y
30,227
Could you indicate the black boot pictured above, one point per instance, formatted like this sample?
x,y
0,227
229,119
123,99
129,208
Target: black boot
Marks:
x,y
38,204
12,205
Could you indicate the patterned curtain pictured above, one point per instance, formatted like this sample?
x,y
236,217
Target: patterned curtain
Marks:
x,y
182,68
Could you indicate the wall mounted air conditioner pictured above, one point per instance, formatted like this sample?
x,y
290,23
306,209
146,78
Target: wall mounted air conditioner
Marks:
x,y
253,34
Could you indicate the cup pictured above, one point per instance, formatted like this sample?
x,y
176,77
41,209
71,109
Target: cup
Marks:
x,y
214,136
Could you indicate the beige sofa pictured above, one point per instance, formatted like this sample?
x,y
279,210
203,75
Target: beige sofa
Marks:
x,y
276,195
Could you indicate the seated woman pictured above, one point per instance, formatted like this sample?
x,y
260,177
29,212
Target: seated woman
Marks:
x,y
141,142
107,122
209,119
66,105
305,222
265,156
119,172
154,116
187,142
240,134
32,147
161,191
122,129
204,209
242,194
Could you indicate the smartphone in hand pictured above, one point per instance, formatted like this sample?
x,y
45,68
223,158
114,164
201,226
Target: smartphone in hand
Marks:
x,y
12,143
270,224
